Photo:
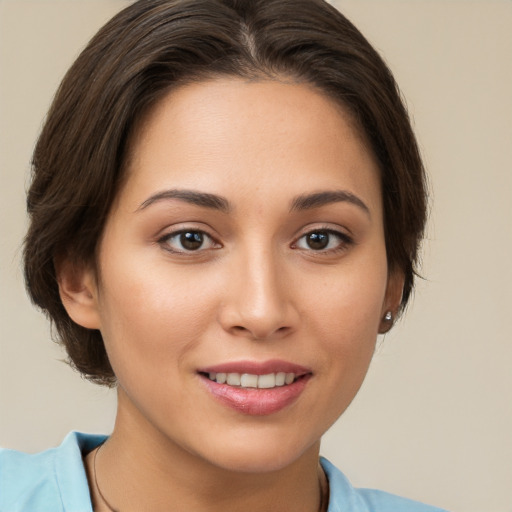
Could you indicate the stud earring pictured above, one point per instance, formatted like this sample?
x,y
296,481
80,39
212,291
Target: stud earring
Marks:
x,y
388,316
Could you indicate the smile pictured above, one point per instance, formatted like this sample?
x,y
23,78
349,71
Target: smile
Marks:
x,y
248,380
256,388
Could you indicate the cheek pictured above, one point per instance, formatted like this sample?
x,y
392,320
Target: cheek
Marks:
x,y
151,314
349,303
344,317
346,333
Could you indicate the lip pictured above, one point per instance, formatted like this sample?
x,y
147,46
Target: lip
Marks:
x,y
257,368
253,401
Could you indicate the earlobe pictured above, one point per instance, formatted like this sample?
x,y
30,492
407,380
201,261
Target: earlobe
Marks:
x,y
78,292
392,301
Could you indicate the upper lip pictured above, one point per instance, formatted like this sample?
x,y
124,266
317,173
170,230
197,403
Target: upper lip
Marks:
x,y
257,367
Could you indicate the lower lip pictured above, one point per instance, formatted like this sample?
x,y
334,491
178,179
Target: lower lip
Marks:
x,y
256,402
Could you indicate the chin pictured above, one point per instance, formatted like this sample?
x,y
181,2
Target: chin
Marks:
x,y
263,455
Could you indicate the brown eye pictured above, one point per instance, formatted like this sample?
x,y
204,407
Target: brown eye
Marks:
x,y
181,242
318,240
324,241
191,240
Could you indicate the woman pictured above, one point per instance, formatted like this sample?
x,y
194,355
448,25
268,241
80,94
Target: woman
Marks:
x,y
226,209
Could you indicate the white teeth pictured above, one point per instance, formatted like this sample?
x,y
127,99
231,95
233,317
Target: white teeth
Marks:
x,y
249,380
280,378
267,381
233,379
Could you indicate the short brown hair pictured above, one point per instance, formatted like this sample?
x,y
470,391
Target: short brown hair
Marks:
x,y
154,45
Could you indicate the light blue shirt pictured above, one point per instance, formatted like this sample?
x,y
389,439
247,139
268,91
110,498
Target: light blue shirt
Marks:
x,y
55,481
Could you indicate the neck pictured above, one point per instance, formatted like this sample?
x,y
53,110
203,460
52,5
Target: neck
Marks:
x,y
138,468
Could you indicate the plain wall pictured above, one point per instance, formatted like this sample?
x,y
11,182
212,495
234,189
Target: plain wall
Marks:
x,y
433,420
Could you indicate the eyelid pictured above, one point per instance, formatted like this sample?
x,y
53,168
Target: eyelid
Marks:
x,y
163,240
344,238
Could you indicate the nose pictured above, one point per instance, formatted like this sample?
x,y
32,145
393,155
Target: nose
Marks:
x,y
258,303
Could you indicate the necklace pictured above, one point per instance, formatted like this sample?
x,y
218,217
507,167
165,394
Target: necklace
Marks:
x,y
324,489
324,486
112,509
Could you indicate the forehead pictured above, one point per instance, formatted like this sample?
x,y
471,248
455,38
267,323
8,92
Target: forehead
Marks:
x,y
272,136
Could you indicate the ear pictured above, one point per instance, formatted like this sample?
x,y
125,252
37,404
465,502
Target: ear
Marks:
x,y
78,292
392,300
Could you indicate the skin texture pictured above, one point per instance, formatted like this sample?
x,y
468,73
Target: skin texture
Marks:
x,y
254,291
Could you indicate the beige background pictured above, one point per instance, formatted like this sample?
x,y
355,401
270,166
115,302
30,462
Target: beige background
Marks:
x,y
434,418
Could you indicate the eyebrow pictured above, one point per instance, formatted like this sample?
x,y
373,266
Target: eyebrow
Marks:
x,y
202,199
216,202
318,199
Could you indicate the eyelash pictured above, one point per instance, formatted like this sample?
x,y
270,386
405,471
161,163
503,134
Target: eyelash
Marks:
x,y
165,241
344,241
200,236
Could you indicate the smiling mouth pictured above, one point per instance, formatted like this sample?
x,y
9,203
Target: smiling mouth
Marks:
x,y
249,380
256,388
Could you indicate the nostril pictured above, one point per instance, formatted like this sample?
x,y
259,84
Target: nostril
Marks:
x,y
259,335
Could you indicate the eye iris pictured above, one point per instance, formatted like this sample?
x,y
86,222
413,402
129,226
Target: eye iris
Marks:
x,y
318,240
191,240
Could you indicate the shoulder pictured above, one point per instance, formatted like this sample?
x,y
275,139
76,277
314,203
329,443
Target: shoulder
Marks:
x,y
53,480
344,497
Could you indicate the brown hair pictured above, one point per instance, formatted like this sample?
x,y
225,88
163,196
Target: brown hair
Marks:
x,y
134,60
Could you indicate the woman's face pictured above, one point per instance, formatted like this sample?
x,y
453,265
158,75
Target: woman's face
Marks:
x,y
247,244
